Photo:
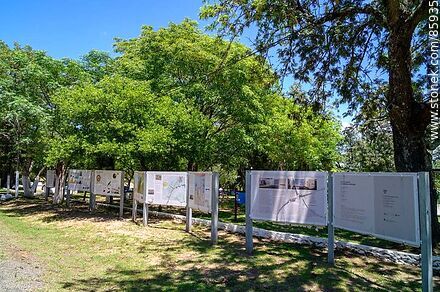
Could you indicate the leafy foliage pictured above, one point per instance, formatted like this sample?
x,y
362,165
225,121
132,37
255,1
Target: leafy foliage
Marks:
x,y
174,99
28,80
234,99
342,45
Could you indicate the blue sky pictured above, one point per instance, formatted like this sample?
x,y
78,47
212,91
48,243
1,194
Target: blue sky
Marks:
x,y
71,28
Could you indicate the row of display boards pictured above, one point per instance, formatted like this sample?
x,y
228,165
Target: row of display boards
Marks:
x,y
192,190
383,205
391,206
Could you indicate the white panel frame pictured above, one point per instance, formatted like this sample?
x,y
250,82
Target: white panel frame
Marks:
x,y
69,187
208,209
153,202
52,175
136,195
121,191
389,238
252,188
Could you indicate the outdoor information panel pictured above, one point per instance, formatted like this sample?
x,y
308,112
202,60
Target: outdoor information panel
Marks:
x,y
381,204
289,196
79,180
200,191
50,179
139,186
166,188
107,182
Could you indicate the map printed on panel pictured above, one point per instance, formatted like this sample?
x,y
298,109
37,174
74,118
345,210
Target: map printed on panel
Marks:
x,y
166,188
79,180
380,204
200,191
289,196
50,179
107,182
139,186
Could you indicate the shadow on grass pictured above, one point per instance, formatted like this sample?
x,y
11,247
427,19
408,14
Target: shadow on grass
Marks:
x,y
79,211
226,214
296,268
273,266
51,213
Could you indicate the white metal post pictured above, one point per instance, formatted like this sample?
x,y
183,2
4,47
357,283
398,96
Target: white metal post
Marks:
x,y
188,209
92,191
145,213
134,206
134,209
145,205
214,208
8,184
17,181
122,197
425,230
68,197
248,204
330,228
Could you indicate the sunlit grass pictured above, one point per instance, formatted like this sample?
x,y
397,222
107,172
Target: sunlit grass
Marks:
x,y
97,252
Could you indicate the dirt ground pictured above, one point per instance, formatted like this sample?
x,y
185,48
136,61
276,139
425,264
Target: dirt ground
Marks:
x,y
19,270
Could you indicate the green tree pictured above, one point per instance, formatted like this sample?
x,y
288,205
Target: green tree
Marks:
x,y
98,64
368,142
182,62
295,137
168,103
229,97
350,47
116,123
28,80
368,149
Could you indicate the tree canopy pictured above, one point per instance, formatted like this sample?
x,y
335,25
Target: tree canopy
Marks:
x,y
174,98
352,51
28,80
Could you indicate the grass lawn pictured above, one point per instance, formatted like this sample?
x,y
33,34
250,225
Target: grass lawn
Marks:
x,y
226,214
96,252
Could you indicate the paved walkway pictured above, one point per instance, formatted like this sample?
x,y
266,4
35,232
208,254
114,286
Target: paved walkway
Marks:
x,y
19,271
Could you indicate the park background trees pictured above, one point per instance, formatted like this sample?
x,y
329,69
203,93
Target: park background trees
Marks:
x,y
172,99
351,51
177,99
28,81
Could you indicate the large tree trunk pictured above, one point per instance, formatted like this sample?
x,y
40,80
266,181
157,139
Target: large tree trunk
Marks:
x,y
36,181
27,168
26,186
409,118
60,178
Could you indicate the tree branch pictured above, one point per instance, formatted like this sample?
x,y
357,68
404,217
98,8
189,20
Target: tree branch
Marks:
x,y
393,11
419,14
349,11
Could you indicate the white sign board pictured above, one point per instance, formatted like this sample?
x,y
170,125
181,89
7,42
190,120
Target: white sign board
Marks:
x,y
107,182
139,189
50,179
200,191
381,204
289,196
166,188
79,180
